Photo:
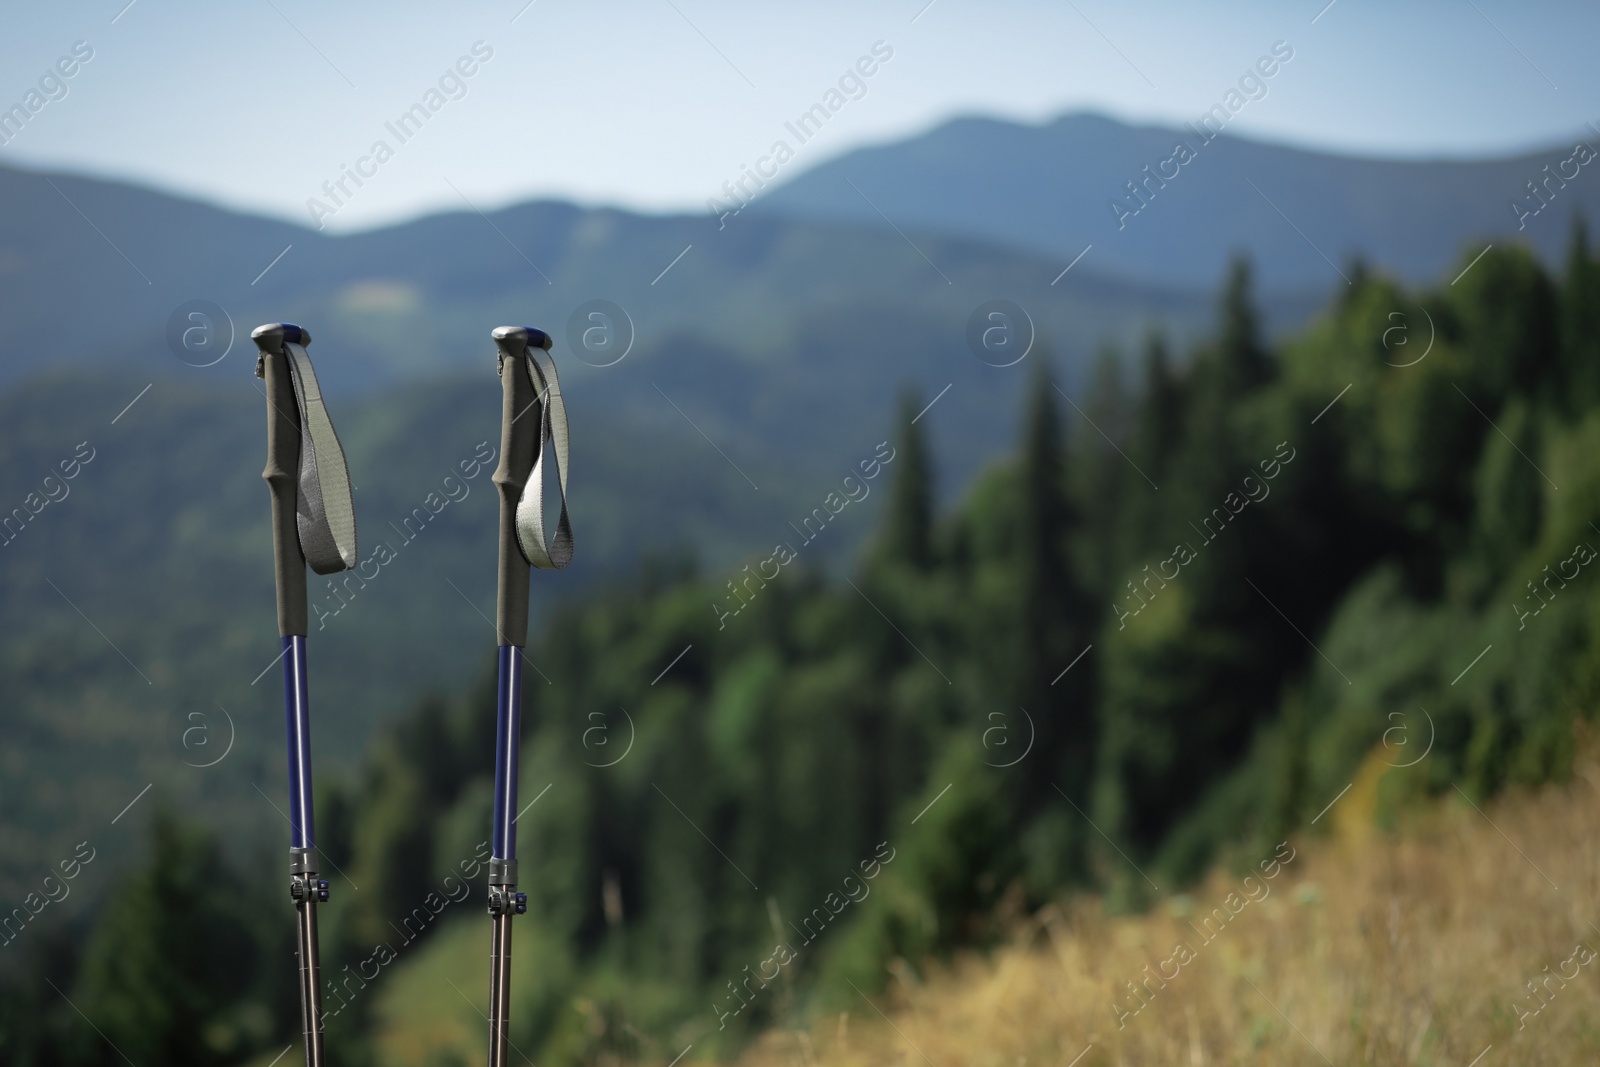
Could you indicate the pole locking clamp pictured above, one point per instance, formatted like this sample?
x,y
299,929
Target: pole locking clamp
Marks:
x,y
304,888
504,900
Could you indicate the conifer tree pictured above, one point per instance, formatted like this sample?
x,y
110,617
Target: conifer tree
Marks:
x,y
1243,361
171,955
1509,327
1052,613
1207,464
1152,447
907,537
1580,322
1099,475
1046,511
1158,425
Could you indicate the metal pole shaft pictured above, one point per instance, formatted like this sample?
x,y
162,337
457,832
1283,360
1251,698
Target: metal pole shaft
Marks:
x,y
303,843
507,742
310,982
503,864
297,729
499,990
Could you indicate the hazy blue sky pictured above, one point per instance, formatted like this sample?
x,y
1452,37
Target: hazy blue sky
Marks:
x,y
654,103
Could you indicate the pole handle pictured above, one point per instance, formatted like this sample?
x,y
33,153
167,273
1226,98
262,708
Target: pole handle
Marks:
x,y
520,422
282,472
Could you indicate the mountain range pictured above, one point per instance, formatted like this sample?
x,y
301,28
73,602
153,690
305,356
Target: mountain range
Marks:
x,y
1300,214
767,357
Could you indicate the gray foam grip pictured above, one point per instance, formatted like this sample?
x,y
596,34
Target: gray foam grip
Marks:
x,y
519,440
282,477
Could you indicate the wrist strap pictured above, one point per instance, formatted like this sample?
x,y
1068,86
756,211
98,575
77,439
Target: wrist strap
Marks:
x,y
325,514
555,554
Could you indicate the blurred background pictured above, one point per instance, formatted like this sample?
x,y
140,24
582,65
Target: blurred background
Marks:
x,y
1066,497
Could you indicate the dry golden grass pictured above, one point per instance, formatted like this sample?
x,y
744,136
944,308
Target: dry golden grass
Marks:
x,y
1415,948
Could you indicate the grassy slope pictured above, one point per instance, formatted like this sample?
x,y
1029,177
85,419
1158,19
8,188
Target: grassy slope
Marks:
x,y
1369,948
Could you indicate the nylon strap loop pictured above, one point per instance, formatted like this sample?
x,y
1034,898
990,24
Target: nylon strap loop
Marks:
x,y
325,514
557,553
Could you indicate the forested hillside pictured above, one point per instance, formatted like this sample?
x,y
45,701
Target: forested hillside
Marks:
x,y
1161,636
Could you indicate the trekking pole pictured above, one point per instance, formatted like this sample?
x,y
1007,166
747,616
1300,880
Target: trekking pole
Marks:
x,y
313,521
527,381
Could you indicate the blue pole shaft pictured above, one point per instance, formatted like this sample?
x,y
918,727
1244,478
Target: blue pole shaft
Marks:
x,y
297,719
507,742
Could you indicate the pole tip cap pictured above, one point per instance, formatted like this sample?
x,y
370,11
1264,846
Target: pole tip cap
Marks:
x,y
513,335
272,336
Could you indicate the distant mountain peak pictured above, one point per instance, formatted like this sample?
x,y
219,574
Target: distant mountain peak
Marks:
x,y
1052,188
